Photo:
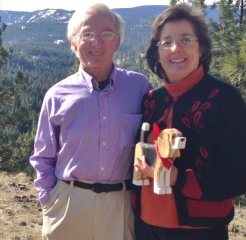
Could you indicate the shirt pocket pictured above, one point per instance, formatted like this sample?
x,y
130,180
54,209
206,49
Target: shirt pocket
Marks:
x,y
129,126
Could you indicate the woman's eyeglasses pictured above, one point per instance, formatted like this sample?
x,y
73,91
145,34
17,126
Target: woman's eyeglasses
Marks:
x,y
184,42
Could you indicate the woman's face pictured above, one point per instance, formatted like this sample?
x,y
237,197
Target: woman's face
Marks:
x,y
179,50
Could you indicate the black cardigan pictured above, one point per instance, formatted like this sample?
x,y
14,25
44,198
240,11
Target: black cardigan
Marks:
x,y
212,167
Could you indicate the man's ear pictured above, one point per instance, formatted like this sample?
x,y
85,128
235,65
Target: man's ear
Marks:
x,y
73,44
117,44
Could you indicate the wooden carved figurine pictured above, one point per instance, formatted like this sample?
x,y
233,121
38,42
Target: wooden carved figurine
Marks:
x,y
160,156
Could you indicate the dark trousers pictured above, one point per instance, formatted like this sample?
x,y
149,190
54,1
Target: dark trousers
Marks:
x,y
145,231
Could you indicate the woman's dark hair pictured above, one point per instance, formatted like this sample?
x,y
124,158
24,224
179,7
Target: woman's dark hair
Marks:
x,y
177,13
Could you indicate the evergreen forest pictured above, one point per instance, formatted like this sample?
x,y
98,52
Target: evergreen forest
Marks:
x,y
21,97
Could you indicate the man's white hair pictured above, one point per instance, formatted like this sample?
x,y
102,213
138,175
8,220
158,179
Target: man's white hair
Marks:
x,y
76,21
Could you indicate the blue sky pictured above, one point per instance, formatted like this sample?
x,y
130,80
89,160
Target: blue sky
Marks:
x,y
32,5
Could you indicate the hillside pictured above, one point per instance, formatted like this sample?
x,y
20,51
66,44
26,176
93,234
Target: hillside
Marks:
x,y
40,45
20,212
41,49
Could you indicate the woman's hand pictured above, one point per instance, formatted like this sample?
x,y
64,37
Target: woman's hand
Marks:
x,y
143,167
173,176
147,171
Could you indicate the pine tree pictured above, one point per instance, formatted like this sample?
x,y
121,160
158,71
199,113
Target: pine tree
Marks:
x,y
16,133
228,42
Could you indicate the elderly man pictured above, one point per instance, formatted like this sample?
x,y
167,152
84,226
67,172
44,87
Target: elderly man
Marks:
x,y
83,149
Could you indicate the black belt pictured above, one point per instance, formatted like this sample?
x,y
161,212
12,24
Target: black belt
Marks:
x,y
103,187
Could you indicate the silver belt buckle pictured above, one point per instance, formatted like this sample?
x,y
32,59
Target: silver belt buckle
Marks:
x,y
124,186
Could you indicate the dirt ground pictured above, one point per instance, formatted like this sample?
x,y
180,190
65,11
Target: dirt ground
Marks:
x,y
21,218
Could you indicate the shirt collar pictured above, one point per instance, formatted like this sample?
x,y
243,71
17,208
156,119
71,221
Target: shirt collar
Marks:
x,y
92,84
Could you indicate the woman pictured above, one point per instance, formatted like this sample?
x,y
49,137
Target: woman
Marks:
x,y
211,114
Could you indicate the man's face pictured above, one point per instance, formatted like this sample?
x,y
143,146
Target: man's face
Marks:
x,y
96,54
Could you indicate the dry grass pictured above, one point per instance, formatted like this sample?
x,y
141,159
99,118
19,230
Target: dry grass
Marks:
x,y
21,218
238,225
20,213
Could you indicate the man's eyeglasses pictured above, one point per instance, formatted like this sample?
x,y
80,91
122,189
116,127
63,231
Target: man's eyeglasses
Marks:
x,y
184,42
105,36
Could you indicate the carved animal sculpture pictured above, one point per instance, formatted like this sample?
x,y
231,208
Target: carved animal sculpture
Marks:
x,y
160,156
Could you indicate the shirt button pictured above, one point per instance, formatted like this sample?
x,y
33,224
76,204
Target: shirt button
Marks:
x,y
104,117
102,168
104,144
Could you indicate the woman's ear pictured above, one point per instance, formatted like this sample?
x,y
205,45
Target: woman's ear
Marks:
x,y
200,52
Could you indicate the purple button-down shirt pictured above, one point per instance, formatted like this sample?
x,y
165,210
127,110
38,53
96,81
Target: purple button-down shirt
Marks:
x,y
87,134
